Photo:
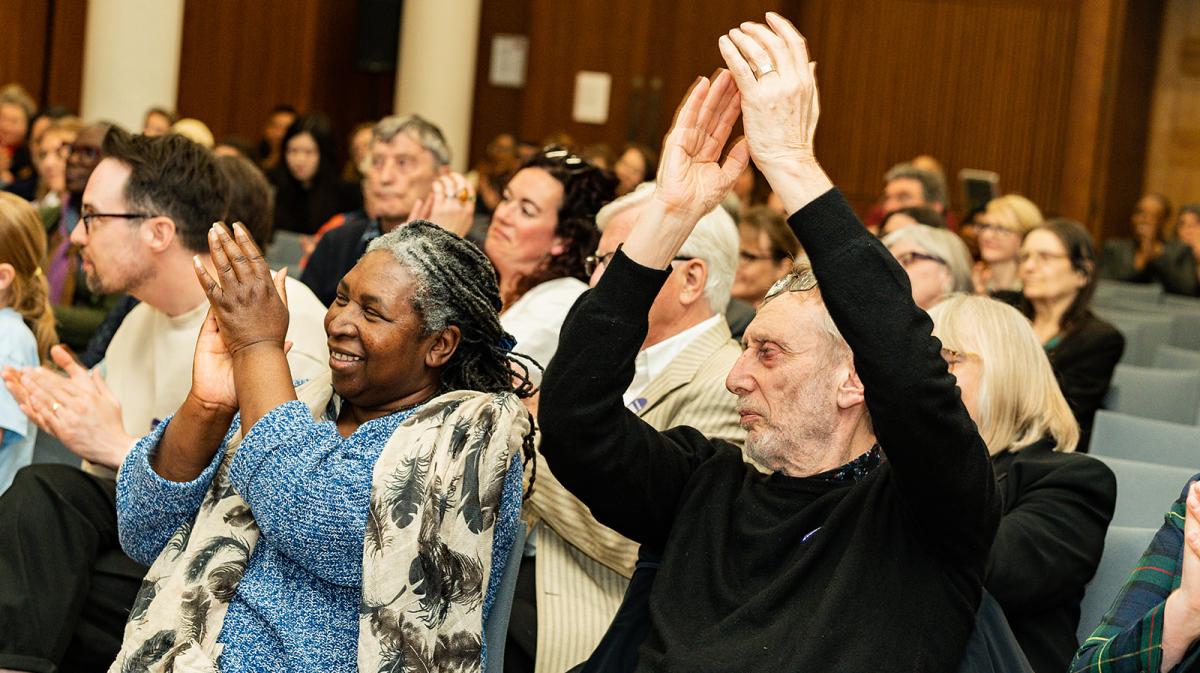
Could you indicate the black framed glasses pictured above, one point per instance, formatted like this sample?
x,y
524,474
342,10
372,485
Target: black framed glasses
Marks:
x,y
909,258
593,262
87,218
85,152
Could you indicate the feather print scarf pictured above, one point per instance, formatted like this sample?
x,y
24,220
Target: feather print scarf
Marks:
x,y
427,552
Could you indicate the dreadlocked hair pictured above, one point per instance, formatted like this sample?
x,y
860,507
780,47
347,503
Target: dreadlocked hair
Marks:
x,y
586,189
456,285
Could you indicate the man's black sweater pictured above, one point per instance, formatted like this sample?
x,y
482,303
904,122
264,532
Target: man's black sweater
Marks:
x,y
767,573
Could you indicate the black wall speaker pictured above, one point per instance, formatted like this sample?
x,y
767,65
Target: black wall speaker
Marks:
x,y
377,35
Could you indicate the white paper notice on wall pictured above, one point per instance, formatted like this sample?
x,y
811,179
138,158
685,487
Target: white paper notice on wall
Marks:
x,y
591,97
509,55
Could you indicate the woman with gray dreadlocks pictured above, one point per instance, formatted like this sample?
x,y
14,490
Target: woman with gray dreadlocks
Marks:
x,y
359,521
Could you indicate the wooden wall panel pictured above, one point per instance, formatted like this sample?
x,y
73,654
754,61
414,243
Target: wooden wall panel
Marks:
x,y
43,48
239,59
1173,159
1027,88
977,85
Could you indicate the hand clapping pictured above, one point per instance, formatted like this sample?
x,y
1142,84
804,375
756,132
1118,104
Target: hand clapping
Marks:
x,y
248,302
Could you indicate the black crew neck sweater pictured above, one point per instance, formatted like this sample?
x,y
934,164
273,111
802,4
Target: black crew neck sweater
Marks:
x,y
768,572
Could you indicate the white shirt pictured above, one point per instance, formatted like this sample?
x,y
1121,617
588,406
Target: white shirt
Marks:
x,y
536,318
148,365
651,362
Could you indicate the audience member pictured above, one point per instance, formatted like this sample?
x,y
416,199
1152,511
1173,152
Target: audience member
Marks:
x,y
766,250
1058,272
936,260
999,231
636,165
583,566
234,146
1152,624
308,190
905,185
1055,504
292,543
907,217
541,234
78,309
17,174
26,324
158,121
599,155
358,151
492,173
278,121
50,154
43,119
1187,232
147,209
1149,257
837,540
195,131
751,189
968,231
408,154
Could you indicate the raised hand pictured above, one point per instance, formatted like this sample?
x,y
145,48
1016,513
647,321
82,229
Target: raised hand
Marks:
x,y
691,177
780,105
450,204
248,303
1181,618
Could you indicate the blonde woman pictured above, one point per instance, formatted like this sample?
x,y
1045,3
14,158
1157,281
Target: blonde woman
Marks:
x,y
1001,227
1056,503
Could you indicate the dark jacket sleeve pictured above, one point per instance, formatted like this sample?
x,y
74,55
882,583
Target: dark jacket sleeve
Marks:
x,y
1052,533
1116,262
1084,365
630,475
1175,269
336,253
938,458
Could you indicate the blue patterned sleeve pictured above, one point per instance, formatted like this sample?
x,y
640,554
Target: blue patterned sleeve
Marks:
x,y
309,489
149,508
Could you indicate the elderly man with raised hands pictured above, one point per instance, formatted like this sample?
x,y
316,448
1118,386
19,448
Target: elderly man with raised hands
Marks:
x,y
582,566
864,548
66,588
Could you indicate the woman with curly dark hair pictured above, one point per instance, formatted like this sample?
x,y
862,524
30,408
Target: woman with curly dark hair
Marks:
x,y
541,233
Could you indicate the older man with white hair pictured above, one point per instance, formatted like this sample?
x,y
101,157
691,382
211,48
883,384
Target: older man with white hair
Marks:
x,y
582,566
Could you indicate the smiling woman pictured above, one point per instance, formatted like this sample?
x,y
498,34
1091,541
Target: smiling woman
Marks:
x,y
540,236
408,457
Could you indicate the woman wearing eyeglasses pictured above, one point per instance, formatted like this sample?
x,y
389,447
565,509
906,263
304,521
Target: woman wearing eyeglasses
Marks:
x,y
936,260
1058,271
541,233
1056,505
766,249
1000,228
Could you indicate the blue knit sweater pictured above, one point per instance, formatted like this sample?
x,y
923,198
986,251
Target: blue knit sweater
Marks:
x,y
296,607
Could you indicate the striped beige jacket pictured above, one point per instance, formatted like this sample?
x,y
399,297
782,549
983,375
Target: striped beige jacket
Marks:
x,y
583,566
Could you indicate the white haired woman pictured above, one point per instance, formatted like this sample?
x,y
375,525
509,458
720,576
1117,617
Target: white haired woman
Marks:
x,y
1056,504
936,260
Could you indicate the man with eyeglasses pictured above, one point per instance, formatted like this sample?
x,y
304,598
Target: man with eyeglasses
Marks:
x,y
78,311
864,548
582,566
65,586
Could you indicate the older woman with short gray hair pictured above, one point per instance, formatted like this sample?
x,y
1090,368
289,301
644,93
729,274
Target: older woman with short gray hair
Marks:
x,y
936,260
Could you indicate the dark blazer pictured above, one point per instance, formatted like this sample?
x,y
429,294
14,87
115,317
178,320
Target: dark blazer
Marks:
x,y
1174,268
1055,513
1083,362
